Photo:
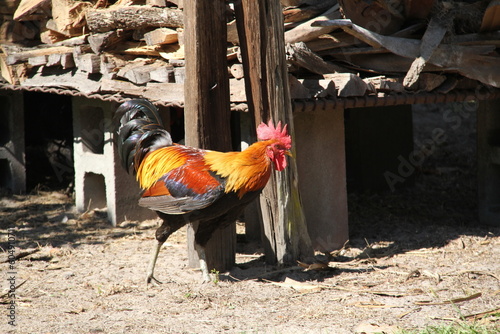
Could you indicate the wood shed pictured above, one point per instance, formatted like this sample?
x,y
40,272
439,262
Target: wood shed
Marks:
x,y
370,59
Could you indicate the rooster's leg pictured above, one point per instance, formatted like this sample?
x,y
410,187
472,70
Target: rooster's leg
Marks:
x,y
203,263
152,263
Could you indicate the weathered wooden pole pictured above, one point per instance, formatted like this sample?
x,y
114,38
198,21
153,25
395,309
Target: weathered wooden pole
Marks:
x,y
261,34
207,111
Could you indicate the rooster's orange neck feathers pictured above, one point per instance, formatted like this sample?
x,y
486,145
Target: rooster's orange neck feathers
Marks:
x,y
244,171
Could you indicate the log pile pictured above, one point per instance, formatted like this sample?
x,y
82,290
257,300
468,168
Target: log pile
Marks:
x,y
334,49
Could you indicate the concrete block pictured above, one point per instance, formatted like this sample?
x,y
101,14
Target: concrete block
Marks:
x,y
320,151
12,156
100,181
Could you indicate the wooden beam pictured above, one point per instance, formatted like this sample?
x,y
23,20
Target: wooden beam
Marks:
x,y
207,112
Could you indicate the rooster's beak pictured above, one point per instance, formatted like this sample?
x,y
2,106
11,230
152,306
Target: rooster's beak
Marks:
x,y
289,154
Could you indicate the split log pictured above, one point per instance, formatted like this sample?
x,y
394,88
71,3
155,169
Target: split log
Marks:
x,y
172,52
48,36
64,60
133,17
89,63
348,84
14,74
38,60
109,64
74,41
164,73
139,72
319,88
237,71
136,49
28,7
104,41
180,74
161,36
68,31
237,90
69,16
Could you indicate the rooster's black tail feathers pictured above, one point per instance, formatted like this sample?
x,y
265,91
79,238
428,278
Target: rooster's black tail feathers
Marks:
x,y
141,131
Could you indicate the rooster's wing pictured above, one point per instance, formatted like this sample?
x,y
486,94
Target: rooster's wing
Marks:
x,y
185,188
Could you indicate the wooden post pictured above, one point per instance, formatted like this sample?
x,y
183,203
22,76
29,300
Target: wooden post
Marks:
x,y
207,111
261,34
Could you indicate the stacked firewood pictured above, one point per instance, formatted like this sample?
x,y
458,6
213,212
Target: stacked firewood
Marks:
x,y
344,48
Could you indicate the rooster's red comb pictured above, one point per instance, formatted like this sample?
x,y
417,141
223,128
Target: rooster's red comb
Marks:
x,y
268,131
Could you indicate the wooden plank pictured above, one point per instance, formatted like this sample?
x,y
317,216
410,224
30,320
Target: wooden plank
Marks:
x,y
207,112
133,17
64,79
17,55
166,92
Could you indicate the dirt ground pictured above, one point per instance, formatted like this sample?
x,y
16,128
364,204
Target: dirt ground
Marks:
x,y
416,257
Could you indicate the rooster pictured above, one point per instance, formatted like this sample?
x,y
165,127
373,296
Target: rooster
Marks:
x,y
186,184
